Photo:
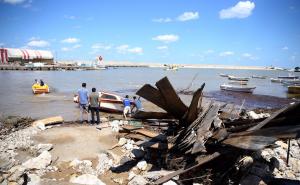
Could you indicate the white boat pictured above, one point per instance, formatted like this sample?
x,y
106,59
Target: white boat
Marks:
x,y
259,77
238,78
109,102
276,80
291,82
223,75
238,82
291,77
245,89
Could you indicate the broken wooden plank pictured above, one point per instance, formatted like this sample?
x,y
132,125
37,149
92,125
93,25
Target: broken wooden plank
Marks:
x,y
48,121
146,132
203,130
153,95
250,142
130,127
174,104
192,112
152,115
156,145
283,111
201,161
284,132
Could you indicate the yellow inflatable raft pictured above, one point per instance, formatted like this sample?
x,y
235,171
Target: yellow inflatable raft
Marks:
x,y
38,89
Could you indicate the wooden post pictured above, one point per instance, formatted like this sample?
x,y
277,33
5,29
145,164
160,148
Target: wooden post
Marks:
x,y
288,152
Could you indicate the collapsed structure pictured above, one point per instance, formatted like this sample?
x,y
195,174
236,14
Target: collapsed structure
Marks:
x,y
12,55
206,136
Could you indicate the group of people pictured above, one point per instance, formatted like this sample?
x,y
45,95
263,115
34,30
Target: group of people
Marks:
x,y
37,83
92,103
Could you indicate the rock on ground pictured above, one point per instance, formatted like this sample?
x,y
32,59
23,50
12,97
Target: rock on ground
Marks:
x,y
40,162
104,163
142,165
34,179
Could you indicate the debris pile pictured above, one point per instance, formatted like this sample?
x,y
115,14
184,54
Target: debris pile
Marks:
x,y
229,148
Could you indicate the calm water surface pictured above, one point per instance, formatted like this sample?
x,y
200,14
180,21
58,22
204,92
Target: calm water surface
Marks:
x,y
16,97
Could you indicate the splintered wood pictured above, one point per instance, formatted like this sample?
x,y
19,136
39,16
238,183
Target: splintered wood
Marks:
x,y
207,131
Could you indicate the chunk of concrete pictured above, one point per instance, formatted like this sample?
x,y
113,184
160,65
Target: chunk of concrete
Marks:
x,y
40,162
142,165
87,179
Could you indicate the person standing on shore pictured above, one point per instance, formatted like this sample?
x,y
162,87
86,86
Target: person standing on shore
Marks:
x,y
83,100
126,103
95,106
137,104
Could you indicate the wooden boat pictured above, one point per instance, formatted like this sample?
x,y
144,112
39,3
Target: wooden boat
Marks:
x,y
223,75
109,102
259,77
238,78
237,88
294,89
238,82
276,80
37,89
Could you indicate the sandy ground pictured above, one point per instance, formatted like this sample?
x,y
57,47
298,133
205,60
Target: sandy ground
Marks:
x,y
80,141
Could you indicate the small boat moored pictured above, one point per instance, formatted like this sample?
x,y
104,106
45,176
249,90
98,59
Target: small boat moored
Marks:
x,y
291,77
38,89
238,82
245,89
223,75
294,89
259,77
276,80
109,102
238,78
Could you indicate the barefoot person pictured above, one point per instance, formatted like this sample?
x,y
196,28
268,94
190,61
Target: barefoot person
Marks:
x,y
83,100
95,105
126,103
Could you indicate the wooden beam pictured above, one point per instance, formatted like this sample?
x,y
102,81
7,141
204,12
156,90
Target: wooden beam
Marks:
x,y
203,130
201,161
153,95
174,104
193,108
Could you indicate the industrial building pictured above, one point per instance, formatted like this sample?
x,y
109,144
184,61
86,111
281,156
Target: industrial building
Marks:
x,y
23,56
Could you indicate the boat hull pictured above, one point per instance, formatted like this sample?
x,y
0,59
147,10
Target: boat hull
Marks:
x,y
238,78
295,89
237,88
40,90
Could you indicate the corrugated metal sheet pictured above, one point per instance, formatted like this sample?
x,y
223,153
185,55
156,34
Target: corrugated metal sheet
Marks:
x,y
28,54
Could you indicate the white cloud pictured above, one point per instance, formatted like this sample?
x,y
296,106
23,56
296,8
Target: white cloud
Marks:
x,y
285,48
98,46
187,16
241,10
70,40
249,56
65,49
76,46
293,58
136,50
162,47
124,49
14,1
162,20
226,53
166,38
38,43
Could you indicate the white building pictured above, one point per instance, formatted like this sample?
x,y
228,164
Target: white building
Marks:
x,y
10,55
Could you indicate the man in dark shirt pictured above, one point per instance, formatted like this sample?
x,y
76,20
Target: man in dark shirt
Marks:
x,y
95,105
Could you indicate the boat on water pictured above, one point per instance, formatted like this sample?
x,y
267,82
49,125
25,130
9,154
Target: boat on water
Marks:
x,y
38,89
109,102
294,89
238,82
245,89
291,82
259,77
276,80
238,78
291,77
223,75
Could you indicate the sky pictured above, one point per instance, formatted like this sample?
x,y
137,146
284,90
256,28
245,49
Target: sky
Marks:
x,y
226,32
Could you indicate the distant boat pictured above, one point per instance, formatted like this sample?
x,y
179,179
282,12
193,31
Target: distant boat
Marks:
x,y
171,68
245,89
297,69
288,77
238,82
276,80
259,77
291,82
238,78
224,75
294,89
